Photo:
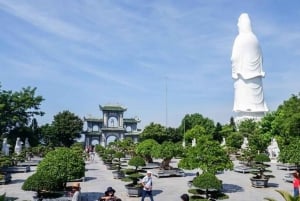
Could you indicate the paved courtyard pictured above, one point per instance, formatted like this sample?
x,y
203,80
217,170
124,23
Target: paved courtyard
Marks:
x,y
236,185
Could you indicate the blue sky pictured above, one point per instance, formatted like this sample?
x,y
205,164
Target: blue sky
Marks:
x,y
159,59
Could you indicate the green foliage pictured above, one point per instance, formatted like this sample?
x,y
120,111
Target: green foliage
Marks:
x,y
261,167
2,197
207,181
217,135
136,161
207,155
60,166
259,141
287,118
40,181
191,120
134,176
235,140
118,156
63,131
41,150
290,153
195,132
167,150
248,127
146,149
5,161
99,149
17,109
154,131
286,195
108,155
261,158
127,146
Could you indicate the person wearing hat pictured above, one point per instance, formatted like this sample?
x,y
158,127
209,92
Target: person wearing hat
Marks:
x,y
147,186
109,195
76,192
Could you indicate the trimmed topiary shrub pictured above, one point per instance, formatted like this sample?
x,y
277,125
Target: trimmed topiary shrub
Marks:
x,y
58,167
208,181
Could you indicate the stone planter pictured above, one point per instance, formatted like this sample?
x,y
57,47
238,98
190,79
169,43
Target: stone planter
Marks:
x,y
6,178
16,169
134,191
109,166
259,183
118,174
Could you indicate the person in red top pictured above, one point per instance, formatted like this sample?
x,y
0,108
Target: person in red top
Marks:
x,y
296,183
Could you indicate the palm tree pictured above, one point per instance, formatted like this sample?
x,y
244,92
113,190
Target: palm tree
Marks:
x,y
286,195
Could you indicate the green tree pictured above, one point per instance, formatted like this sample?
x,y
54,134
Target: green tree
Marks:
x,y
18,109
207,181
235,140
49,136
167,150
290,153
217,135
154,131
146,149
247,127
190,121
286,121
232,124
63,131
195,132
207,155
62,164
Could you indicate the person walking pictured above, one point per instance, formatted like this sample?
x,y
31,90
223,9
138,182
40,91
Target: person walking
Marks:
x,y
296,183
147,186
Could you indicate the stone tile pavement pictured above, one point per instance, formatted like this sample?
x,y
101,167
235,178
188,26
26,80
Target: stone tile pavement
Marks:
x,y
236,185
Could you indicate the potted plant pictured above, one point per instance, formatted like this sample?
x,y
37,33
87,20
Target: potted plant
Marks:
x,y
108,157
134,189
207,184
260,179
118,174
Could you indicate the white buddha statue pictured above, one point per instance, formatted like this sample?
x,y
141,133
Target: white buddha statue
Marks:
x,y
247,73
5,147
18,146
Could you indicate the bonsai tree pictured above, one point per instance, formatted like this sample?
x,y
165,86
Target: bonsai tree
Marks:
x,y
136,161
146,149
259,164
286,195
58,167
247,156
108,157
260,179
133,188
207,181
99,149
207,155
118,174
167,150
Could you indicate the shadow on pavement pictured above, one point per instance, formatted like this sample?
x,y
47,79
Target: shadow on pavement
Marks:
x,y
232,188
89,178
91,195
274,185
15,181
156,192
